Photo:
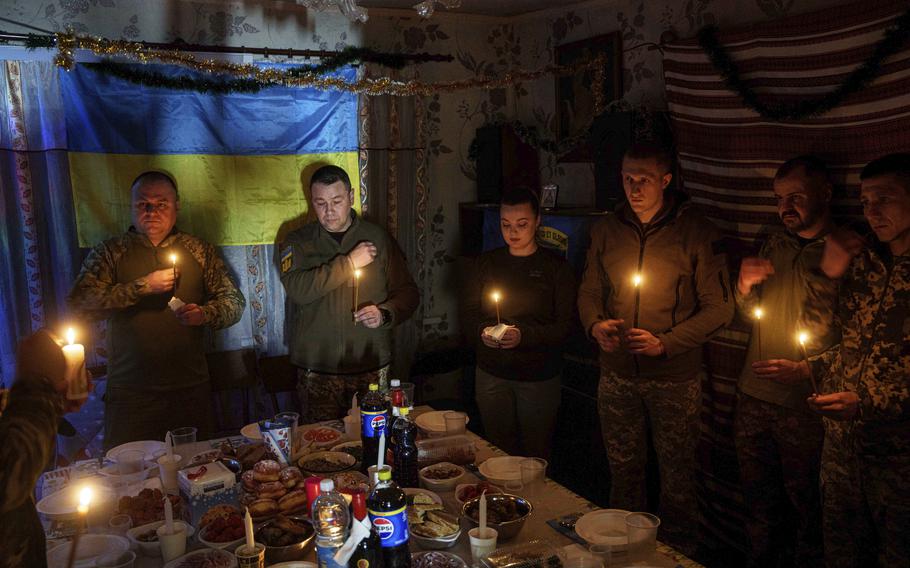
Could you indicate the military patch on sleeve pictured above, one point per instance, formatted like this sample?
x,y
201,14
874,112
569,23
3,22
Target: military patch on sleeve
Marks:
x,y
287,259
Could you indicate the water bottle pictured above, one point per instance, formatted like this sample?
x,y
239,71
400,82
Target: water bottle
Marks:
x,y
387,507
404,460
373,419
330,520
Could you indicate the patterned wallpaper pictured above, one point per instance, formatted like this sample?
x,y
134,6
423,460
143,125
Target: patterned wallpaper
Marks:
x,y
480,45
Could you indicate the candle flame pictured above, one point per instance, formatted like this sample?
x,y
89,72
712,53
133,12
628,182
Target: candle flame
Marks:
x,y
496,297
85,497
803,337
70,336
636,280
174,258
357,274
759,313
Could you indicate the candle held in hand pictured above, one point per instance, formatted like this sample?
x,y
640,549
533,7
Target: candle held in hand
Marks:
x,y
636,280
803,337
174,263
357,274
758,314
496,297
75,374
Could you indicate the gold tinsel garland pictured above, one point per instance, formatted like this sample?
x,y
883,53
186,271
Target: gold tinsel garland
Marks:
x,y
68,43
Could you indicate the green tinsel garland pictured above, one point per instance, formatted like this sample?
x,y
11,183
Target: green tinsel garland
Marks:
x,y
860,78
155,79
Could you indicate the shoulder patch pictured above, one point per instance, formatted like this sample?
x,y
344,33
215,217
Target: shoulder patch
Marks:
x,y
287,258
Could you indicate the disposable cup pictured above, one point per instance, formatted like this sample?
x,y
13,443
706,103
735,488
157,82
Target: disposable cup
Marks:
x,y
167,469
642,529
247,558
533,474
172,544
482,545
455,422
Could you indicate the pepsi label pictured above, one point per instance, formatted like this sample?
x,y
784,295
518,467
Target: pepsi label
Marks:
x,y
392,527
372,423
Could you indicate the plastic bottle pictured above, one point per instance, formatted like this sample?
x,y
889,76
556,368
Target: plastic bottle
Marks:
x,y
396,401
368,553
404,443
373,419
387,506
331,519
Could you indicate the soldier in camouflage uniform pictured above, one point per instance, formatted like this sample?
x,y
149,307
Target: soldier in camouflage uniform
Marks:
x,y
28,426
778,439
157,375
654,290
865,380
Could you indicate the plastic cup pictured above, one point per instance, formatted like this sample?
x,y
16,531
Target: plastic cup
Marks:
x,y
482,545
408,389
182,437
642,529
130,461
247,558
533,474
172,544
584,560
167,468
602,551
455,423
119,524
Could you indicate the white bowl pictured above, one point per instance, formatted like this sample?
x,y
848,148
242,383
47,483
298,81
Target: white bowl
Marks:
x,y
152,448
153,548
62,504
113,472
502,470
447,484
91,546
604,526
228,558
228,546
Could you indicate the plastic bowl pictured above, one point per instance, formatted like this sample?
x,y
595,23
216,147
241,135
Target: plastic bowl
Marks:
x,y
153,548
297,551
447,484
508,529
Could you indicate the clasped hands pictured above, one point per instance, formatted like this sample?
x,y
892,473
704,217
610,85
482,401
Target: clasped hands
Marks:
x,y
610,335
510,339
161,281
837,406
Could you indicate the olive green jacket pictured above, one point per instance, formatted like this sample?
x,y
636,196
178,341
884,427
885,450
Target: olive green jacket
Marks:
x,y
318,278
684,297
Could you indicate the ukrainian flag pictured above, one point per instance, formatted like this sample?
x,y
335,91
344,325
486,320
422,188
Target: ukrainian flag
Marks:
x,y
239,159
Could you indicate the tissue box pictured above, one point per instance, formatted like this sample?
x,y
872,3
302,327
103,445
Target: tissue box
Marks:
x,y
205,486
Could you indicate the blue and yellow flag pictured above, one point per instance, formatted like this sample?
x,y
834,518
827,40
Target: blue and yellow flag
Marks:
x,y
239,159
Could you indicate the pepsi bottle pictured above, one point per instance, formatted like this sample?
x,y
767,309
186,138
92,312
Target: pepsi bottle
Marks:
x,y
373,419
387,507
404,459
368,552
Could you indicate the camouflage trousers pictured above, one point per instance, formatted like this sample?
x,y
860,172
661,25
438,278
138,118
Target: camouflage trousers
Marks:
x,y
865,504
627,406
779,452
328,397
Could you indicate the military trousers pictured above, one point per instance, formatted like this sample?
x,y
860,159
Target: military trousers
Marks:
x,y
627,407
325,396
779,453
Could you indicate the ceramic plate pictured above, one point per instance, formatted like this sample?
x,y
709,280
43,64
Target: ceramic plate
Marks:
x,y
63,503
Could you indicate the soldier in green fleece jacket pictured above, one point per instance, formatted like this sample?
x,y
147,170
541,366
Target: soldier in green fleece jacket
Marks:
x,y
28,426
341,348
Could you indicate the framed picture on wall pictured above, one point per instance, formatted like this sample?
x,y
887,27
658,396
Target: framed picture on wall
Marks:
x,y
574,95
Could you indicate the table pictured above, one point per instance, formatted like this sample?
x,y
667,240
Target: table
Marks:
x,y
556,501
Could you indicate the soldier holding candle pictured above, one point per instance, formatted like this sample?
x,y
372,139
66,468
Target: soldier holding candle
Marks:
x,y
778,440
655,289
337,356
157,374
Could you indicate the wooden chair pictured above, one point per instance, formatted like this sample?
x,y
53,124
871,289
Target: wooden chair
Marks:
x,y
279,376
230,371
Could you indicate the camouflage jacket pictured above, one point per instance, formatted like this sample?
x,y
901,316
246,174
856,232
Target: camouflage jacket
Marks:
x,y
27,430
97,292
873,357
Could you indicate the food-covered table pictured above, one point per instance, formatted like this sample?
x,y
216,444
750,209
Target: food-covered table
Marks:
x,y
551,502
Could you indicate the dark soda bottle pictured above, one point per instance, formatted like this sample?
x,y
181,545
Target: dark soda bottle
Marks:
x,y
373,419
387,506
404,461
368,553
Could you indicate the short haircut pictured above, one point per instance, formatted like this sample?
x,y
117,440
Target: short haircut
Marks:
x,y
155,176
519,195
813,166
647,150
892,164
327,175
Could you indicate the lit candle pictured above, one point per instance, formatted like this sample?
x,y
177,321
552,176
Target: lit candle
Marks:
x,y
496,298
758,314
636,280
803,338
357,274
174,262
76,378
85,498
248,529
482,516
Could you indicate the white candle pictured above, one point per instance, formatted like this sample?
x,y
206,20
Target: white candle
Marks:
x,y
803,338
496,297
174,263
76,379
85,497
381,460
357,275
482,515
248,528
758,314
168,515
169,446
